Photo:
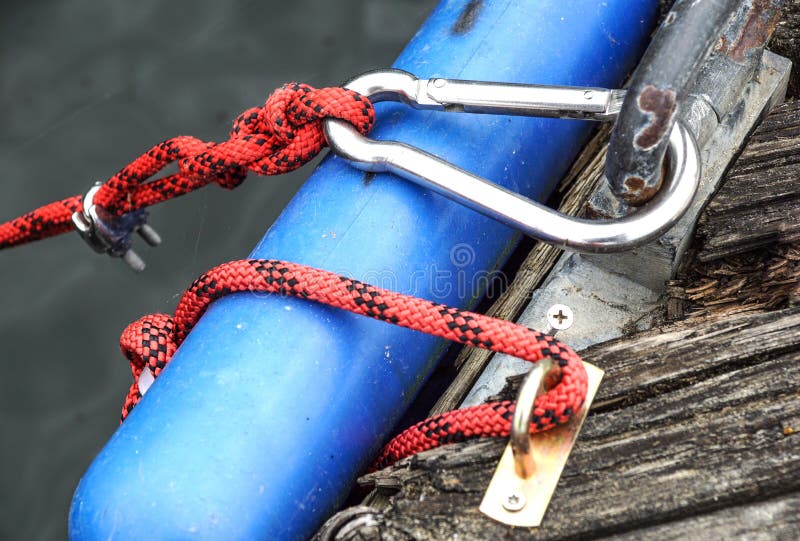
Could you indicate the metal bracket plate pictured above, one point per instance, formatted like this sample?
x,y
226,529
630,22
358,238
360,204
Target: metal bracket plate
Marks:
x,y
523,502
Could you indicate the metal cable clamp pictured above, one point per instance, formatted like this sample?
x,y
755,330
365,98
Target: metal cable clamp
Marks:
x,y
532,218
108,234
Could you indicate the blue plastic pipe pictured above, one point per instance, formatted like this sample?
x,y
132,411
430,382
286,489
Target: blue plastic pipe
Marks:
x,y
273,406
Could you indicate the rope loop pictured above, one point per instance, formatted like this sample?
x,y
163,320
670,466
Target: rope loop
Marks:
x,y
150,343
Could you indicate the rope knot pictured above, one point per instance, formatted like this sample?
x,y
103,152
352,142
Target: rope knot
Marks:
x,y
282,135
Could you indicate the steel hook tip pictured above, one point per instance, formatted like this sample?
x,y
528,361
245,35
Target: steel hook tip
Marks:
x,y
530,217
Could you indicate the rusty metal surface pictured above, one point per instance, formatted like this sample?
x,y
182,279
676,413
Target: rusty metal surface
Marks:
x,y
712,95
660,83
750,30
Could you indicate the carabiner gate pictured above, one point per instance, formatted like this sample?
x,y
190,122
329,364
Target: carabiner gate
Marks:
x,y
532,218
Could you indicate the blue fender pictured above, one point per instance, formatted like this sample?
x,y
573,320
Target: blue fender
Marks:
x,y
272,406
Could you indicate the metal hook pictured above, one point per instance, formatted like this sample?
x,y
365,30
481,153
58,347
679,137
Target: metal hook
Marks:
x,y
534,219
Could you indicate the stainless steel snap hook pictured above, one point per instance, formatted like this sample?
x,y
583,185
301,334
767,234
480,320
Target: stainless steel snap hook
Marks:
x,y
532,218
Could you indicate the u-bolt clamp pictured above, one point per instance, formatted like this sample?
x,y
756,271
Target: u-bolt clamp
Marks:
x,y
110,234
592,236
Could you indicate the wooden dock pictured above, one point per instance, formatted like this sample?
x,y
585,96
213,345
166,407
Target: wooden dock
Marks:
x,y
695,432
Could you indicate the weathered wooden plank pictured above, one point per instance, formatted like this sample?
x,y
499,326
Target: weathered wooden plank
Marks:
x,y
759,204
747,229
689,421
786,39
767,279
777,518
763,521
679,355
767,168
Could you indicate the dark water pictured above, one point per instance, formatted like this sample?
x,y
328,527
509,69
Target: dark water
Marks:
x,y
85,86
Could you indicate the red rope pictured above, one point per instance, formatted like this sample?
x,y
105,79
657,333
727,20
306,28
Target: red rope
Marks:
x,y
280,136
151,341
276,138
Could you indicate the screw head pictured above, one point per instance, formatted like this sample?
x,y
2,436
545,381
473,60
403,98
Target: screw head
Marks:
x,y
560,317
514,501
439,83
588,95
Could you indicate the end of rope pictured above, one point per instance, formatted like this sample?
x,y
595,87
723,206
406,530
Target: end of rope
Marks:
x,y
109,234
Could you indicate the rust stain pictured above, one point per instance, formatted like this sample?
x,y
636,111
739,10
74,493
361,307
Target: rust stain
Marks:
x,y
591,212
637,192
756,30
634,184
660,105
466,20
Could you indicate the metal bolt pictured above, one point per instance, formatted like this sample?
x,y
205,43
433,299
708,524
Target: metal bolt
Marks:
x,y
514,502
439,83
149,235
588,95
560,317
134,261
